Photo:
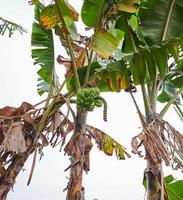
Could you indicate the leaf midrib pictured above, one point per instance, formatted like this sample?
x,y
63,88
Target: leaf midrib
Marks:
x,y
167,20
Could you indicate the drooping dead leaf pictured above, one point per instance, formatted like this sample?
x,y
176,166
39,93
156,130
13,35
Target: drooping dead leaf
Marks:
x,y
161,142
106,143
12,111
43,140
14,140
135,145
75,47
153,145
28,118
8,111
2,170
18,128
24,108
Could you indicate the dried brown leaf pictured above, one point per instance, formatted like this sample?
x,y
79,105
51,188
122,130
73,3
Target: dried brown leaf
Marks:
x,y
24,108
14,140
44,141
8,111
135,145
76,48
2,170
28,118
11,174
69,147
70,127
155,148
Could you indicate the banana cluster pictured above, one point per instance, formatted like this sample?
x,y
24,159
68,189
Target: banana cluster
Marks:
x,y
88,99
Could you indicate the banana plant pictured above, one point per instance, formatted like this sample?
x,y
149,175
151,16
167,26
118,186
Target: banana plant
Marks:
x,y
133,46
59,17
149,35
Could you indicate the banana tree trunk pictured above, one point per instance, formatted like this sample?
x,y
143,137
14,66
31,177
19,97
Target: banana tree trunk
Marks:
x,y
80,146
155,188
8,176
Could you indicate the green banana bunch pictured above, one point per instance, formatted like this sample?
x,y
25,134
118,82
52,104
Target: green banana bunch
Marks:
x,y
88,99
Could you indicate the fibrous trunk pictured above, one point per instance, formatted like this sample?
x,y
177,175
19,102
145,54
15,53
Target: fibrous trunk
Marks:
x,y
78,148
155,185
7,180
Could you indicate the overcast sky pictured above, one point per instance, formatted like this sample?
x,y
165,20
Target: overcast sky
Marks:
x,y
109,179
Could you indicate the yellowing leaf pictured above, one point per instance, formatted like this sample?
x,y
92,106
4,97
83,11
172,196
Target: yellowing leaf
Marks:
x,y
122,82
126,7
106,143
49,17
114,80
104,43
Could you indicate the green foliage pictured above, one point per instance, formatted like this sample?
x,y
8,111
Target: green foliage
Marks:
x,y
43,54
148,37
127,23
81,73
138,68
153,16
91,12
10,27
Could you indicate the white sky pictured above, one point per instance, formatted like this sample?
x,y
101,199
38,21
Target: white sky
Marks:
x,y
108,179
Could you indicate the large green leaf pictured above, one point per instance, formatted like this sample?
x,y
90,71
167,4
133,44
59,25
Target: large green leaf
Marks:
x,y
92,12
161,58
174,188
43,52
154,19
138,68
122,24
150,62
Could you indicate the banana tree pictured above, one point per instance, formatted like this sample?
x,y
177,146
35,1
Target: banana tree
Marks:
x,y
150,57
140,43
